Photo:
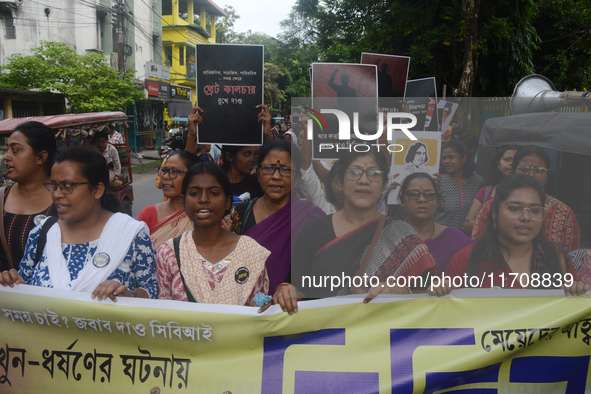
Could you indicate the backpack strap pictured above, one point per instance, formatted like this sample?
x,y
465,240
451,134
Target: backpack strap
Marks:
x,y
176,242
2,234
51,220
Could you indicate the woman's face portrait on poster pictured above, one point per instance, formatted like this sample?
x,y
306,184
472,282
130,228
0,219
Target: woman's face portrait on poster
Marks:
x,y
417,154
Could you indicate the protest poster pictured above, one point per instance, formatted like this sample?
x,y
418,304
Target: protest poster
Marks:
x,y
229,87
414,156
477,340
448,111
392,77
350,89
421,96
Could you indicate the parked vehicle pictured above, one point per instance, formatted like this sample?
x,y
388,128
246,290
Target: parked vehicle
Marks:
x,y
566,137
172,143
76,129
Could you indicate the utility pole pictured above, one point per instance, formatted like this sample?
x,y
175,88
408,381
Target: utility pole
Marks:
x,y
119,8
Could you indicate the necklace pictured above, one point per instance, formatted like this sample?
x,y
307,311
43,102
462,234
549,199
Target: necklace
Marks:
x,y
432,232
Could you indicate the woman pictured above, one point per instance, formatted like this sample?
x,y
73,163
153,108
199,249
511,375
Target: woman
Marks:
x,y
501,169
560,223
269,220
90,248
337,245
291,137
168,219
514,246
309,183
209,264
416,156
203,152
30,153
238,162
459,184
419,200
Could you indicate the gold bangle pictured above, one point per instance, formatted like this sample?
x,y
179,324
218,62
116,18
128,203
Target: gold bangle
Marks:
x,y
409,290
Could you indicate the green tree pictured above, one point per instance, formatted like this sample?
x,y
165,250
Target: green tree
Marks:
x,y
87,81
482,47
565,48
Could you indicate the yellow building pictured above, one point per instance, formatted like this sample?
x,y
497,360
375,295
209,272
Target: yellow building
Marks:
x,y
180,34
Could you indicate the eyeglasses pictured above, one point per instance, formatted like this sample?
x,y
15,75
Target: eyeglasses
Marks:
x,y
269,169
171,172
355,174
529,169
516,210
414,195
65,188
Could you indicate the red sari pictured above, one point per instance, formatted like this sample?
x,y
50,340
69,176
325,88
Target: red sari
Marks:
x,y
399,251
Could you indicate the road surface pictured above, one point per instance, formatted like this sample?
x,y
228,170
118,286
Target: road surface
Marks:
x,y
144,191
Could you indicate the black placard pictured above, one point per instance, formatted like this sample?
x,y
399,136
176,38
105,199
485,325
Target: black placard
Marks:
x,y
229,87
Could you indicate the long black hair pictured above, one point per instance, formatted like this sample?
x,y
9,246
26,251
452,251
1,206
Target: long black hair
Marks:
x,y
332,174
41,138
94,168
488,246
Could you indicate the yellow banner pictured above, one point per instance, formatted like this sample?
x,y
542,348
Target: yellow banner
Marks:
x,y
55,341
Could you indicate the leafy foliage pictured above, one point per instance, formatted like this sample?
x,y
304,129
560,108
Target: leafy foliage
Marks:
x,y
87,81
512,38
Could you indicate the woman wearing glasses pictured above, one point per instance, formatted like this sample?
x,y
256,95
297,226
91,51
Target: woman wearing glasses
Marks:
x,y
90,248
513,252
420,201
560,223
357,241
168,219
269,220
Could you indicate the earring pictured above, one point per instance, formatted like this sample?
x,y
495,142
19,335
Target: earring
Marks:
x,y
494,225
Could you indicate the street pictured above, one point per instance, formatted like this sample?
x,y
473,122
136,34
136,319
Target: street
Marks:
x,y
144,191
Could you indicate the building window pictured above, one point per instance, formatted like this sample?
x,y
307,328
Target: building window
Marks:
x,y
9,24
168,56
181,55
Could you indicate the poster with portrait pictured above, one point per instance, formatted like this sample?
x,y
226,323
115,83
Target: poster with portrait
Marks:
x,y
448,110
421,96
411,156
350,89
229,87
392,77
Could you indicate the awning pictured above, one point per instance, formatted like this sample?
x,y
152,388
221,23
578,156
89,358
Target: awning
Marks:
x,y
179,110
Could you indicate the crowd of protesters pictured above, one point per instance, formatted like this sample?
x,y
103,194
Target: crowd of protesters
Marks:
x,y
251,228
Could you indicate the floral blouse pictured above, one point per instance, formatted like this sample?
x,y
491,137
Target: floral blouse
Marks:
x,y
136,271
